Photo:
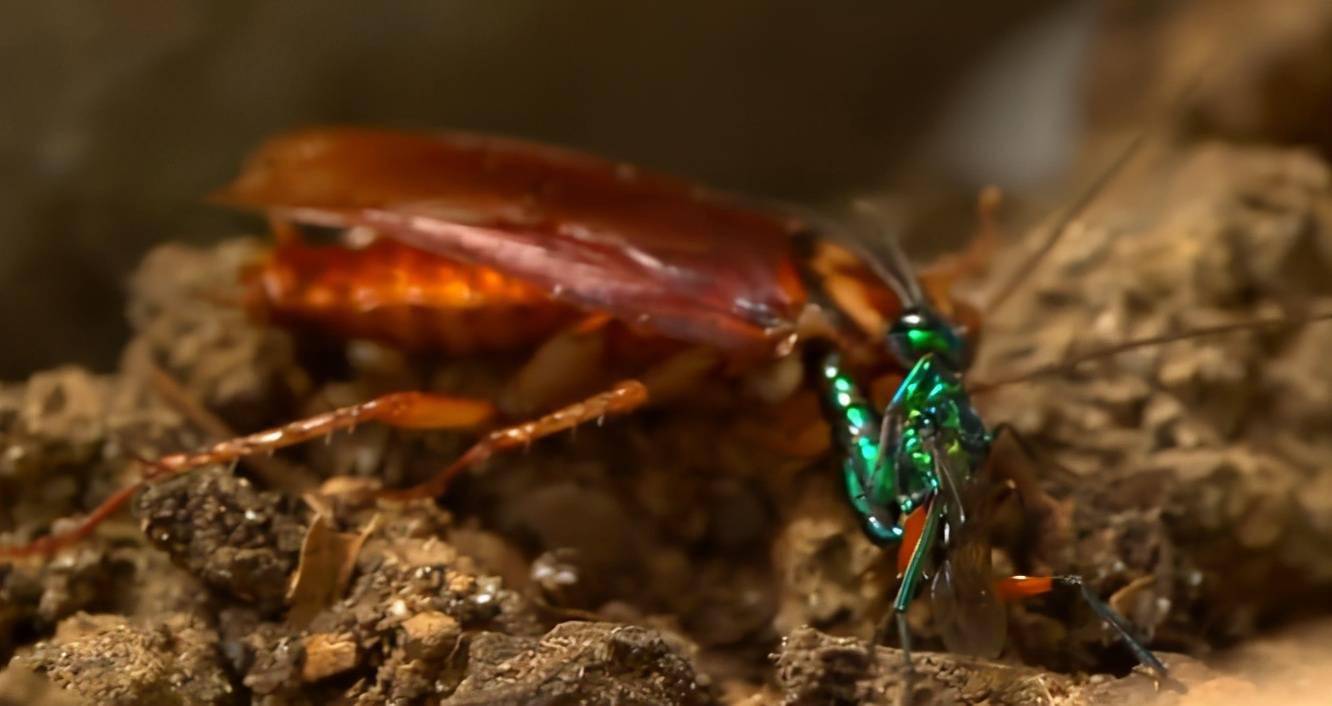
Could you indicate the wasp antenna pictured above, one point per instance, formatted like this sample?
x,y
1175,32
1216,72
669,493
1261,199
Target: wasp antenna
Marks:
x,y
1068,365
883,254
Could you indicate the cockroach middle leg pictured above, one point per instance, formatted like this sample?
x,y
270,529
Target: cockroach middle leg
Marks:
x,y
566,365
284,231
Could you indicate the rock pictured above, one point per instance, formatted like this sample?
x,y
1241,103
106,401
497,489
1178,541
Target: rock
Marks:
x,y
328,655
21,687
430,635
108,660
222,529
578,663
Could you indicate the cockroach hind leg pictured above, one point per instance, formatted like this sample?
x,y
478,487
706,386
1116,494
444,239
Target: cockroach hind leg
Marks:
x,y
622,398
406,410
413,410
52,543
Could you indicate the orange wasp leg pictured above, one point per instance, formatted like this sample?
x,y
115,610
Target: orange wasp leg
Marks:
x,y
623,397
912,527
1016,588
922,531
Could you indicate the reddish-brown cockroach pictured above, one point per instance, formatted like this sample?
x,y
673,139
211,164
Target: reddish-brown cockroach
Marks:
x,y
484,244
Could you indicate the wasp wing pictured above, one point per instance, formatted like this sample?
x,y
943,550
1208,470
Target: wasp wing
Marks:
x,y
647,248
966,608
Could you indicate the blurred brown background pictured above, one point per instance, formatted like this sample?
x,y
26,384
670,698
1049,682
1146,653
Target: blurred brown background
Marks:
x,y
119,116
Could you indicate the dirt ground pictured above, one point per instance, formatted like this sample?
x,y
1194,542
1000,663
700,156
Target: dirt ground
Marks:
x,y
678,556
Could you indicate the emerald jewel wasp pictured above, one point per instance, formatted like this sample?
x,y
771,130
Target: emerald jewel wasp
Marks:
x,y
919,478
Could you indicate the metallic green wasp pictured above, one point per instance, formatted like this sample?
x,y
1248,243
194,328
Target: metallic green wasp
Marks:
x,y
920,475
919,478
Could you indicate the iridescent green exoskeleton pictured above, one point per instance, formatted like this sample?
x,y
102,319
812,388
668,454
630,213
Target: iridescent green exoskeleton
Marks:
x,y
921,455
918,479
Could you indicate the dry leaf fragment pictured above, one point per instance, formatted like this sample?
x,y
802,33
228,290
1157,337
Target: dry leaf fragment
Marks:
x,y
328,558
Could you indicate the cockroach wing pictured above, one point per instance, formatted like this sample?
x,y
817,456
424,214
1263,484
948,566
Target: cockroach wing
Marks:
x,y
646,248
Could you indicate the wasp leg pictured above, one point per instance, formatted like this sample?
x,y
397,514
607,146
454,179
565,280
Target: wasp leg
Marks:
x,y
1019,587
1004,430
897,619
906,589
1017,462
408,410
623,397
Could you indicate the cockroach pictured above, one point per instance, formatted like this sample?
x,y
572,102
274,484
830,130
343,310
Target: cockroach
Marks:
x,y
482,244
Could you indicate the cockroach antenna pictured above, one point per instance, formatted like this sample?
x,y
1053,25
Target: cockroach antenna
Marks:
x,y
1004,292
1075,210
1069,364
